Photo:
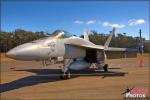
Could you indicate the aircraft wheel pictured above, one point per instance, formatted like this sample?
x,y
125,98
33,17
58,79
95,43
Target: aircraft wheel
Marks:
x,y
68,75
63,76
105,67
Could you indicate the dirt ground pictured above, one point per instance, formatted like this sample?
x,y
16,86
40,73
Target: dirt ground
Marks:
x,y
30,81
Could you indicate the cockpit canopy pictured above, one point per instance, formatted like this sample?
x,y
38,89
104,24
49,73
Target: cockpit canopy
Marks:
x,y
57,33
61,33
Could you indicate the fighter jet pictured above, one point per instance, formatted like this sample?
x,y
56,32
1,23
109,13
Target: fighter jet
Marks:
x,y
78,53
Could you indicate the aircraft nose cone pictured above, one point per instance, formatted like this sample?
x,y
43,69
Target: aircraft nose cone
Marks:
x,y
25,51
11,53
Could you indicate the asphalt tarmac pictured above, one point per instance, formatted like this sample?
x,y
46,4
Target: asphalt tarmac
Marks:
x,y
32,81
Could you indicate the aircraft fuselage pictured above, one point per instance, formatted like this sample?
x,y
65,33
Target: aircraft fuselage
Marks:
x,y
50,47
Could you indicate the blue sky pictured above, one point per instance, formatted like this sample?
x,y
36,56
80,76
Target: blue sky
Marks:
x,y
127,16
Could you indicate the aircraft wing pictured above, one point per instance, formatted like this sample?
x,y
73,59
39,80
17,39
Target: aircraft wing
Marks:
x,y
120,49
115,53
111,52
98,47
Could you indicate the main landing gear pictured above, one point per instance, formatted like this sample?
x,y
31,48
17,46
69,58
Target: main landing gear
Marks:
x,y
102,67
65,73
105,67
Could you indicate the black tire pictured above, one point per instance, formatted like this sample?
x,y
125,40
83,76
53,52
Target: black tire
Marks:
x,y
65,76
61,77
105,67
68,76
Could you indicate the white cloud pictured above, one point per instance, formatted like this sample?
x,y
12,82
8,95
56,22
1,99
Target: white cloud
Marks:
x,y
90,22
78,22
132,22
140,21
118,25
106,24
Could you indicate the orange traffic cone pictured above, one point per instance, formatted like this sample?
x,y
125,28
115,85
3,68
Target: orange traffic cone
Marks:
x,y
140,60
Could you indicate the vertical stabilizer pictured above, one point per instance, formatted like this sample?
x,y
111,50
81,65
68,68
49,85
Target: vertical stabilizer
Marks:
x,y
109,38
86,36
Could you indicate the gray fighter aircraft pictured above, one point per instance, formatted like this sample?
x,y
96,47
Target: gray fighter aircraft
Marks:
x,y
78,53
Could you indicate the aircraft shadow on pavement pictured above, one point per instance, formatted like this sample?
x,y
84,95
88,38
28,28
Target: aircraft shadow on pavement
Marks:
x,y
51,75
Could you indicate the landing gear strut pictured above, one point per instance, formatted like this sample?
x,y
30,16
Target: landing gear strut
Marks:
x,y
65,73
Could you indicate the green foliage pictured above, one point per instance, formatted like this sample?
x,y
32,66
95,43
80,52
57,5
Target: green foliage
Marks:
x,y
147,46
9,40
